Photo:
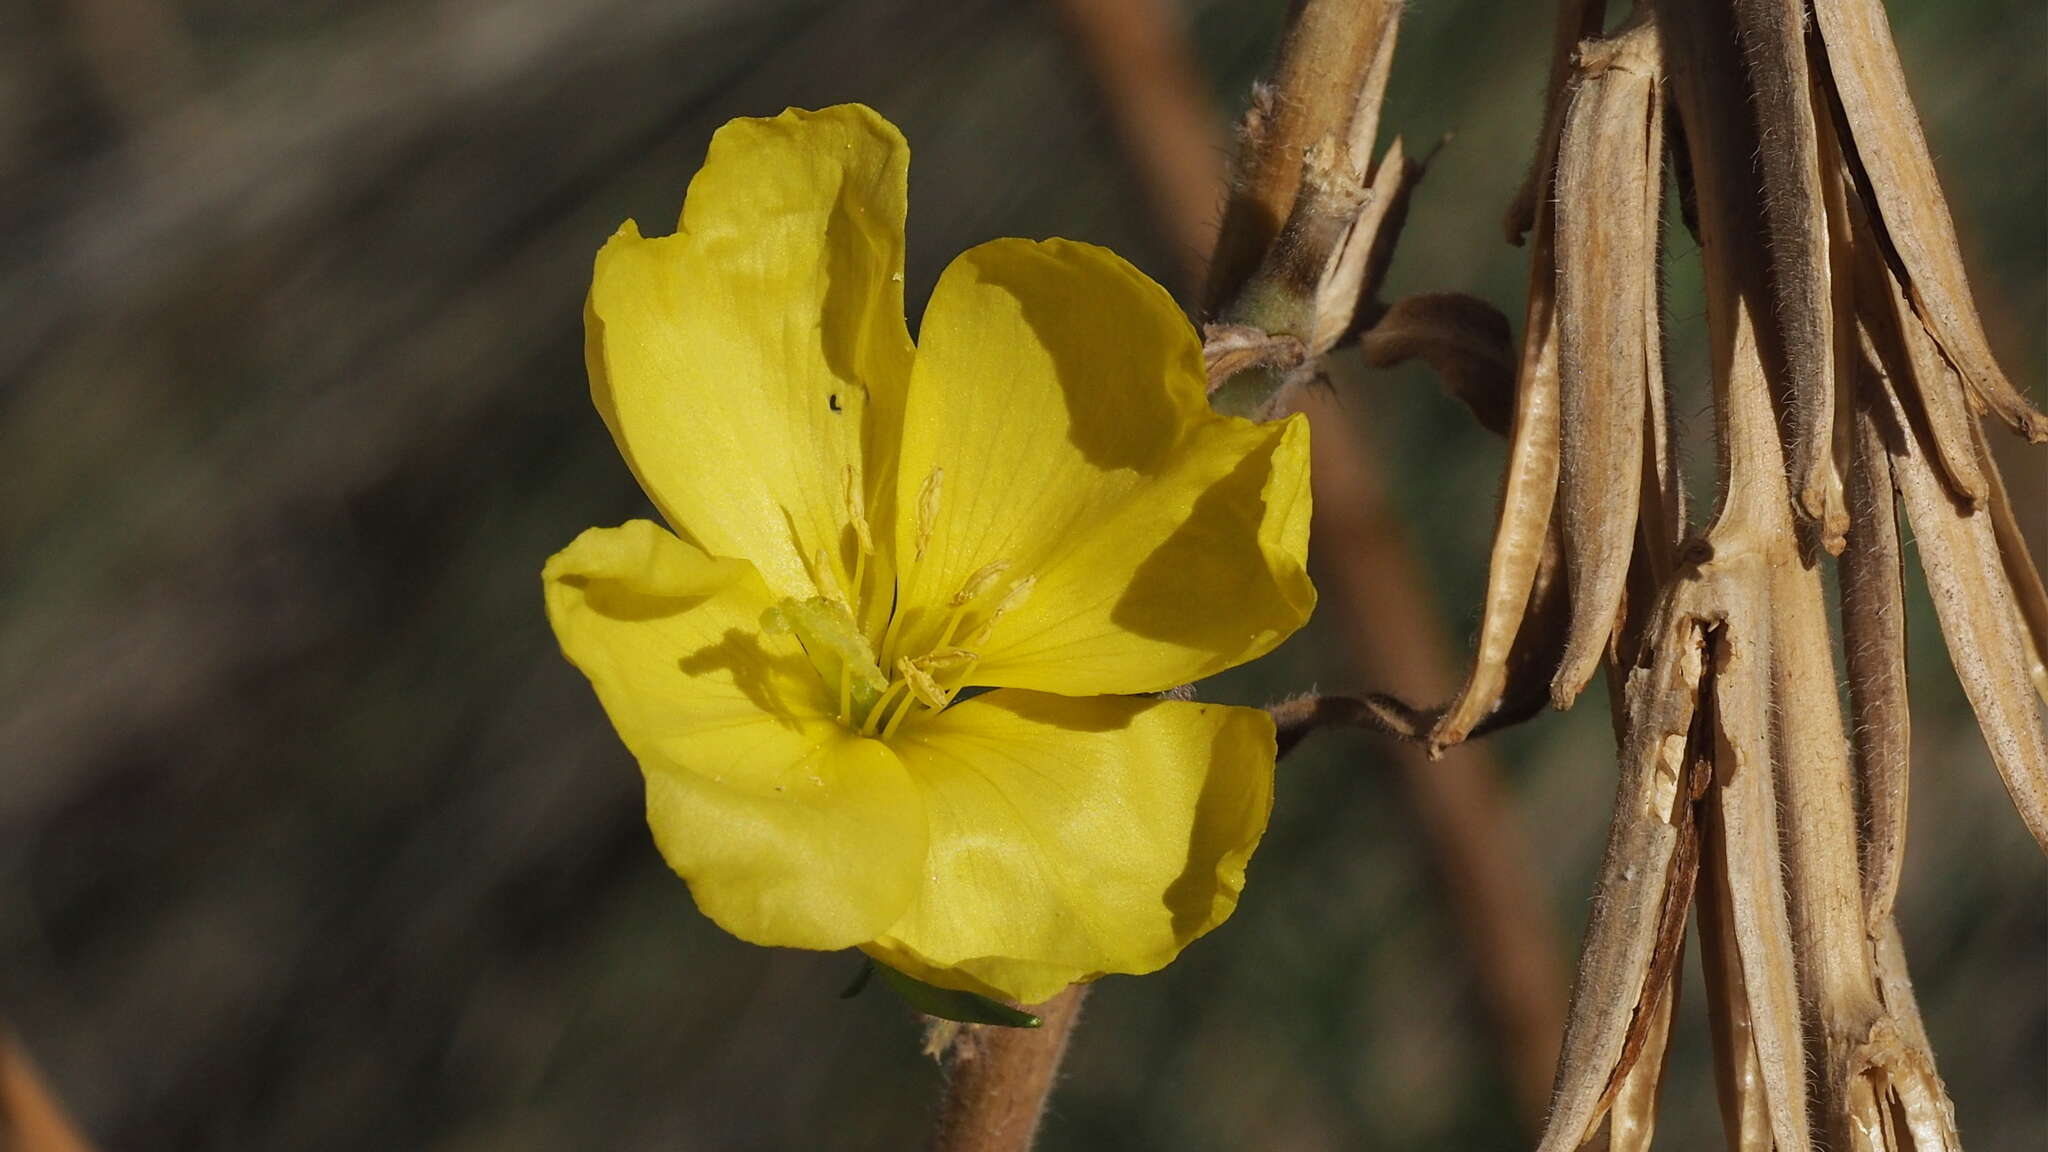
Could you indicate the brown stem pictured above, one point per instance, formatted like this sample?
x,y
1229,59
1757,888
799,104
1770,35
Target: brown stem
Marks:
x,y
1374,580
1326,55
1154,94
31,1119
997,1079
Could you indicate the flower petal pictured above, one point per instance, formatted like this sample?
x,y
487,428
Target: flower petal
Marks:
x,y
791,830
1058,395
1076,837
744,363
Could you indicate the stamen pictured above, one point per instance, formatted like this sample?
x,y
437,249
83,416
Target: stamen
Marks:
x,y
896,721
922,686
888,645
928,508
864,539
867,727
826,579
954,616
979,582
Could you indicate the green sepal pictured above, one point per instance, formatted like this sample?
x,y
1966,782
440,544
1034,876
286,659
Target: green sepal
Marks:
x,y
947,1004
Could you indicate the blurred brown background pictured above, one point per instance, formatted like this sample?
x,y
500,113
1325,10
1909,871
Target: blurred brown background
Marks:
x,y
310,840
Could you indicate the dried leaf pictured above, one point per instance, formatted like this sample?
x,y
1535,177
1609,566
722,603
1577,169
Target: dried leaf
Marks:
x,y
1463,338
1889,149
1609,220
1358,260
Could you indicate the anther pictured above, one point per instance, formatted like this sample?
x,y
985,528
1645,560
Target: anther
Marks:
x,y
1018,594
921,684
928,508
825,578
945,659
978,583
856,513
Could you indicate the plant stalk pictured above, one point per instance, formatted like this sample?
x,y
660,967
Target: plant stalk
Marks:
x,y
997,1079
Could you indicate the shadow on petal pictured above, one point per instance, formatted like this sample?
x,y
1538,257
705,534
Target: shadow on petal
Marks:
x,y
754,671
1112,336
1230,819
1206,587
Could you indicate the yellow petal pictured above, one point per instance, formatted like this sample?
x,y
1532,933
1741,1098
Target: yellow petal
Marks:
x,y
744,363
790,830
1076,837
1058,395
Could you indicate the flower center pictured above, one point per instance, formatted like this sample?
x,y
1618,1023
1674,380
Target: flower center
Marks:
x,y
878,685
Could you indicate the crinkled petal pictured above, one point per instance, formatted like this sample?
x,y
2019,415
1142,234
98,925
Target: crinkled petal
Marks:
x,y
1058,396
790,830
744,363
1071,838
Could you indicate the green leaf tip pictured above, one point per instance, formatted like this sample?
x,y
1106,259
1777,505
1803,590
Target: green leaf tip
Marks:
x,y
947,1004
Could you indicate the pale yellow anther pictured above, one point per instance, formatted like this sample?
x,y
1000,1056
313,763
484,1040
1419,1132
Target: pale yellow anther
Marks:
x,y
946,659
928,508
979,582
921,684
1018,593
856,513
1016,596
826,579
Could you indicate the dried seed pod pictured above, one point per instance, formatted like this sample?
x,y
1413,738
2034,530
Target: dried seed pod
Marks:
x,y
1745,1093
1767,1066
1987,642
1330,46
1609,220
1926,382
1773,36
1889,149
2020,571
1923,1103
1576,20
1632,1119
1639,914
1528,493
1874,640
1777,621
1524,685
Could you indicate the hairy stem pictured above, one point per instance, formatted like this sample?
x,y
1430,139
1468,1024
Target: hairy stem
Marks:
x,y
997,1079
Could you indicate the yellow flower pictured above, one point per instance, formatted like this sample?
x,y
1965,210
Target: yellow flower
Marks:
x,y
1035,498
